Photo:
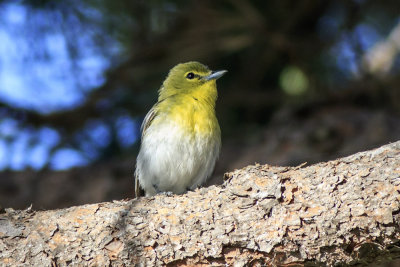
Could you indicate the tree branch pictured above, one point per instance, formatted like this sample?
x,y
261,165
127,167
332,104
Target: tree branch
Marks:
x,y
343,211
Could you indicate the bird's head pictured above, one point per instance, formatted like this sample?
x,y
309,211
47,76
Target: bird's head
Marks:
x,y
191,78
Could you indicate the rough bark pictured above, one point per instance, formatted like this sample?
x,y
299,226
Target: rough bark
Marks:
x,y
339,212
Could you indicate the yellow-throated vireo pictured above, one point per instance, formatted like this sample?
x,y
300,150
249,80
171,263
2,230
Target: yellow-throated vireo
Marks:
x,y
181,138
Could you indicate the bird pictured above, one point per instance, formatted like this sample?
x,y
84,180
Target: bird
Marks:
x,y
180,135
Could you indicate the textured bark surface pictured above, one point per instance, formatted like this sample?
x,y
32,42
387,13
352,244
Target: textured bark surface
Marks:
x,y
343,211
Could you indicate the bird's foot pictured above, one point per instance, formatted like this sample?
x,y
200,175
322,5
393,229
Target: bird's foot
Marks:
x,y
167,193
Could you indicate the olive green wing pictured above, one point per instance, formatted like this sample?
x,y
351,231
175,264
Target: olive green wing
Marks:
x,y
148,119
139,192
145,125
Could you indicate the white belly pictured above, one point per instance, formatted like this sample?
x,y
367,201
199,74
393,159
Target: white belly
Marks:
x,y
170,160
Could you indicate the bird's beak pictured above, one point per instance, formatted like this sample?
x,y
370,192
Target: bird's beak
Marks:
x,y
215,75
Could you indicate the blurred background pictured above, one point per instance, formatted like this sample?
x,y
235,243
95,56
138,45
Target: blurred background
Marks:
x,y
308,81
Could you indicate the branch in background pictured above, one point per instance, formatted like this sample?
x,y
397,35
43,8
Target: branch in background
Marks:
x,y
380,59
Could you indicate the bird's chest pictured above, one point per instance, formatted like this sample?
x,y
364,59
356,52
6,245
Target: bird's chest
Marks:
x,y
174,146
188,133
195,119
184,132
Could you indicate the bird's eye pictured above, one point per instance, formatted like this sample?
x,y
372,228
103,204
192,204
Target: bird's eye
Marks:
x,y
190,75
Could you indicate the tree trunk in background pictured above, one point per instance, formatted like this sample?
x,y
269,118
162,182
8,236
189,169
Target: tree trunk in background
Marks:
x,y
345,210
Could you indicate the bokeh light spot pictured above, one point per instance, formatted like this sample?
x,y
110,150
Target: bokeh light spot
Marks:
x,y
293,81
